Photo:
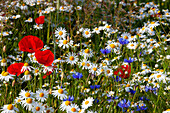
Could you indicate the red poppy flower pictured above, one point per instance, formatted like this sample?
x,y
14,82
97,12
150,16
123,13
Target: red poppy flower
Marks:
x,y
30,44
40,20
47,74
124,71
15,68
44,57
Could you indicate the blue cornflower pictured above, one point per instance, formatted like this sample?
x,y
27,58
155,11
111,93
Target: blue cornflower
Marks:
x,y
96,100
77,75
105,51
141,108
147,88
124,104
143,98
132,91
111,98
95,86
123,41
117,79
70,98
129,61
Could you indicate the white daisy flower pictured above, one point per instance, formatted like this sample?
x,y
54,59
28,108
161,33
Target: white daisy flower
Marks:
x,y
60,32
27,76
9,108
72,58
87,102
26,94
86,33
29,19
28,103
38,108
5,76
86,53
41,95
64,43
65,105
73,108
96,30
60,93
132,45
38,26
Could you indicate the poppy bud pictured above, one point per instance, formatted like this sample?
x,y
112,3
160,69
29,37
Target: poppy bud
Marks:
x,y
13,83
4,49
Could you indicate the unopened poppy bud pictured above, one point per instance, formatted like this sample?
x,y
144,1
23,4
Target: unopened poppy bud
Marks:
x,y
4,49
13,83
68,38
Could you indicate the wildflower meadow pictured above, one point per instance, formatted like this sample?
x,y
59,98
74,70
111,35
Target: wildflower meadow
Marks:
x,y
84,56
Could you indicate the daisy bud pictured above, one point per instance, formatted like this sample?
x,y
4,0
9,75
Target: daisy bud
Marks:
x,y
156,65
4,49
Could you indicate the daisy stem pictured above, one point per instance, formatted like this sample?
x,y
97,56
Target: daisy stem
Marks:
x,y
40,81
34,84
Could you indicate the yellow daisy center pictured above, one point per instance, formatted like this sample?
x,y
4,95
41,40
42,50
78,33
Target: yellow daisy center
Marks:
x,y
108,71
5,74
10,107
27,94
26,64
60,33
87,51
67,103
96,29
48,111
158,76
86,32
29,100
112,45
41,94
86,102
71,58
132,45
83,64
143,28
3,60
127,85
73,109
107,26
152,22
125,37
94,69
36,71
27,72
60,91
19,100
37,108
65,42
88,64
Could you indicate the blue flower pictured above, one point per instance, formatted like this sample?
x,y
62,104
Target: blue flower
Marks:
x,y
132,91
129,61
117,79
95,86
124,103
105,51
77,75
112,98
70,98
143,98
123,41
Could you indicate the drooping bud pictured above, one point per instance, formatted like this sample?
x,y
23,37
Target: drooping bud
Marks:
x,y
4,49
